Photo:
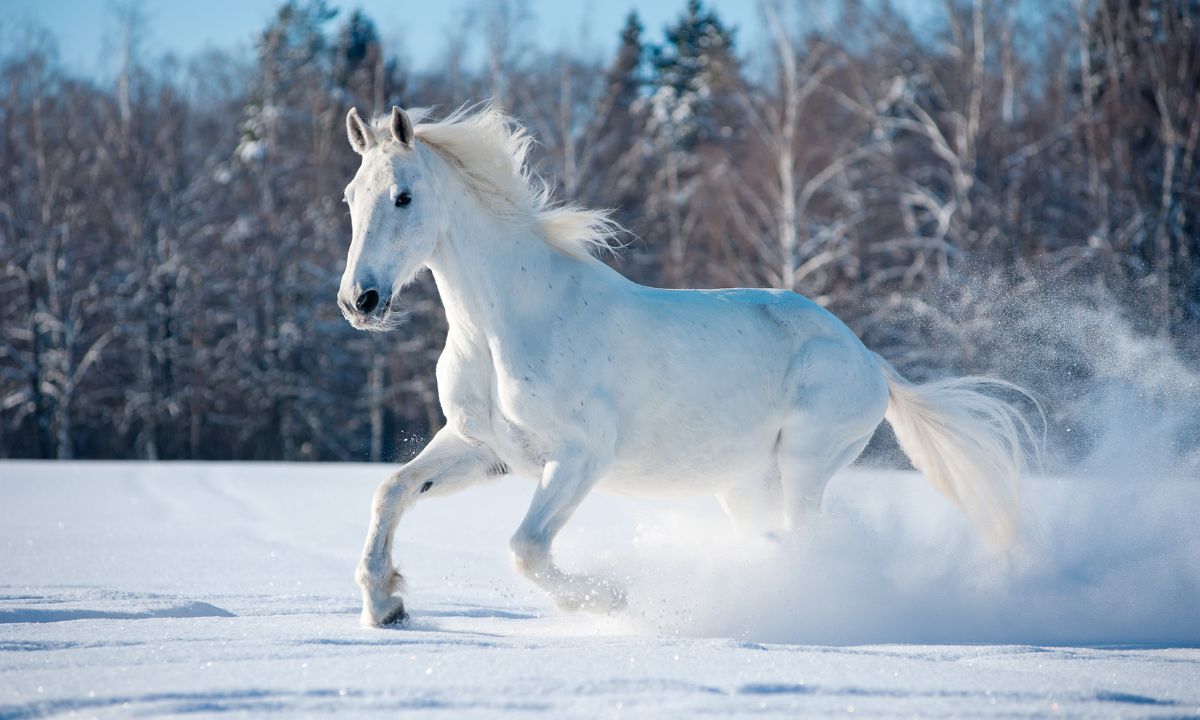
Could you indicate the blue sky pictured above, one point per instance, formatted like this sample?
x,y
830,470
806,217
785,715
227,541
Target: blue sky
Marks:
x,y
417,28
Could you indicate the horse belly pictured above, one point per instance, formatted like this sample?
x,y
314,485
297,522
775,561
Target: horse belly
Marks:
x,y
695,456
671,474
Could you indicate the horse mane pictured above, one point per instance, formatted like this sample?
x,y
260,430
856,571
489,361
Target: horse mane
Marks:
x,y
490,152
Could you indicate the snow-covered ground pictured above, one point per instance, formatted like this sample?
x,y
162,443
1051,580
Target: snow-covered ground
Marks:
x,y
129,590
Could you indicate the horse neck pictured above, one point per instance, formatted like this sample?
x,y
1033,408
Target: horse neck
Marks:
x,y
496,277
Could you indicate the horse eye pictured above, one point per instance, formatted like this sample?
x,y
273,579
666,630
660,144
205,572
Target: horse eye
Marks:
x,y
403,199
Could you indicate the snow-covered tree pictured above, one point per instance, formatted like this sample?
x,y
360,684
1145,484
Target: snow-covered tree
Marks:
x,y
171,240
691,106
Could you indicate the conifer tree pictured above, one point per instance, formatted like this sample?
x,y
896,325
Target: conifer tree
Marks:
x,y
691,105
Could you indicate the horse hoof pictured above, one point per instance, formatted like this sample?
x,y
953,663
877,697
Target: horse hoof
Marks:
x,y
600,601
393,615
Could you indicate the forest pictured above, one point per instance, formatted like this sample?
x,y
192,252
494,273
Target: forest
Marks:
x,y
999,190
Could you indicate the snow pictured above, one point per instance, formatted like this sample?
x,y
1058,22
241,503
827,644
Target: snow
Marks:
x,y
226,589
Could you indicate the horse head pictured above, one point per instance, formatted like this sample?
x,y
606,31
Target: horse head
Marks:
x,y
393,219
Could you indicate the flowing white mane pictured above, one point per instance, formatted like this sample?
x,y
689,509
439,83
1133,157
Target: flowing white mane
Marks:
x,y
489,150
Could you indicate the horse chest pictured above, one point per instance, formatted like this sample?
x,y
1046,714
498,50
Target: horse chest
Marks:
x,y
518,444
502,414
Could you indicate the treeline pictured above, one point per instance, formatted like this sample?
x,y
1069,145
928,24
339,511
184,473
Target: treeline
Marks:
x,y
170,243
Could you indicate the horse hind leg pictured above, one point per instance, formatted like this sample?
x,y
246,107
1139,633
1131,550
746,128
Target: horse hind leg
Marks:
x,y
805,468
836,411
755,508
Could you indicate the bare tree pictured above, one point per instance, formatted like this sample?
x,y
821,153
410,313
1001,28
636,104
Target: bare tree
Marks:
x,y
170,241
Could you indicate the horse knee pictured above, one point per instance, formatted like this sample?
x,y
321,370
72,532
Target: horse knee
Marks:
x,y
398,487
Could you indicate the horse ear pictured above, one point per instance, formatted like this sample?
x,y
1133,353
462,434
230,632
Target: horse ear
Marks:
x,y
402,127
360,138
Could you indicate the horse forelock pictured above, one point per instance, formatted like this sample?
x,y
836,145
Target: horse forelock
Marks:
x,y
489,152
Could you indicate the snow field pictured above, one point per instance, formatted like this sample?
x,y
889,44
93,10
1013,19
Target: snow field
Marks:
x,y
131,590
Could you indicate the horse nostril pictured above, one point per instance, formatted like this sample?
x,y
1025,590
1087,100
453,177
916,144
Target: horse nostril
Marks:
x,y
368,301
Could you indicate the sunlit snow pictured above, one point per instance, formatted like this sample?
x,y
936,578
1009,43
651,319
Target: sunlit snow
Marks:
x,y
214,589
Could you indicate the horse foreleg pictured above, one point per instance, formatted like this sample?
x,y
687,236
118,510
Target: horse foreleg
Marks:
x,y
446,465
564,485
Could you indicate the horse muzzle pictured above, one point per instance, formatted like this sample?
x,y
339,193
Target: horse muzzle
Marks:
x,y
367,308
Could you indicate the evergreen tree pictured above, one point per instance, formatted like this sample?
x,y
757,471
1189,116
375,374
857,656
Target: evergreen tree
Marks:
x,y
695,72
287,158
356,45
691,109
358,64
621,121
624,77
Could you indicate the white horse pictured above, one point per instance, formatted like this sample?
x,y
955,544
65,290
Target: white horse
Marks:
x,y
558,368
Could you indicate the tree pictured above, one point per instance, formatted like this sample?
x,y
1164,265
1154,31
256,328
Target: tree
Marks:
x,y
171,241
690,109
622,117
812,145
51,341
1140,89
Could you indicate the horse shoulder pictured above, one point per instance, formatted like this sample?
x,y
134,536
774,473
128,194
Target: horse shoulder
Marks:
x,y
464,389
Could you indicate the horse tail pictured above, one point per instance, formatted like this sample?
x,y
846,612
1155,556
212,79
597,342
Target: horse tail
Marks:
x,y
970,445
